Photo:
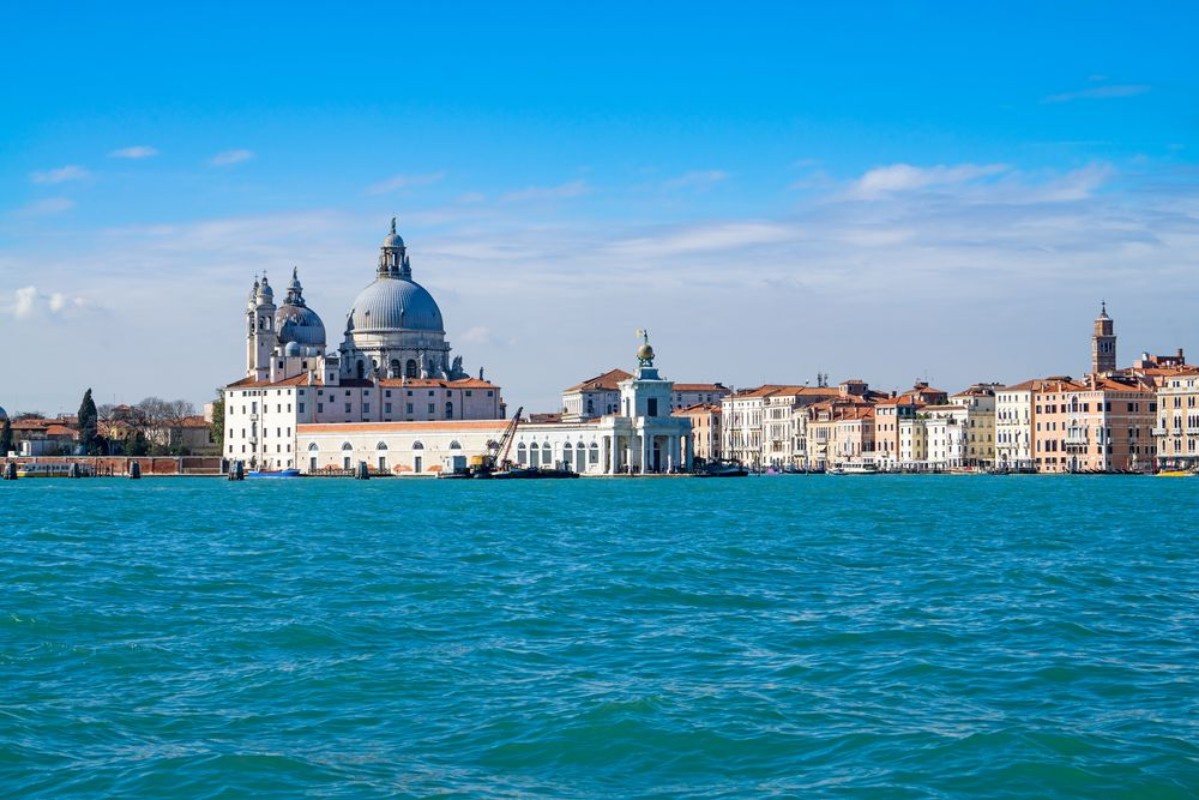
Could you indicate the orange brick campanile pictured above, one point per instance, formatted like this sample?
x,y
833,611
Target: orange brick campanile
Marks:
x,y
1103,343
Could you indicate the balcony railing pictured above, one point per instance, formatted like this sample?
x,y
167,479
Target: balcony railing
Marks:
x,y
1077,438
1159,431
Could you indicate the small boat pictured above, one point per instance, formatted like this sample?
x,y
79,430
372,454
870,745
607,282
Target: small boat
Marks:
x,y
1175,473
53,470
722,470
273,473
530,473
853,469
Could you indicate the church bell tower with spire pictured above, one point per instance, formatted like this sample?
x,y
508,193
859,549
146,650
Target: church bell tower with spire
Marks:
x,y
1103,343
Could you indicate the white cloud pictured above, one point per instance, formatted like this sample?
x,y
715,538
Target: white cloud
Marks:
x,y
905,177
564,191
29,301
1099,92
696,179
229,157
404,182
135,152
70,172
1007,266
25,298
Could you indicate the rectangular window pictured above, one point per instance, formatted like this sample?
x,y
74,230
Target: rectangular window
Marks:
x,y
300,408
409,408
387,407
320,408
431,407
366,408
347,408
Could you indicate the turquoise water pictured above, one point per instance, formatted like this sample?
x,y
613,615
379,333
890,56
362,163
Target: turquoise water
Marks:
x,y
775,636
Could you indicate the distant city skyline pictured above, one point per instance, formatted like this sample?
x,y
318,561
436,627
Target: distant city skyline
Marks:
x,y
886,191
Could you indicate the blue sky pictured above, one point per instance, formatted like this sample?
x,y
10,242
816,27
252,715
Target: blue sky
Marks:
x,y
876,190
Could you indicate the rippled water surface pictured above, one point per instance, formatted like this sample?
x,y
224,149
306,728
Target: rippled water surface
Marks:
x,y
775,636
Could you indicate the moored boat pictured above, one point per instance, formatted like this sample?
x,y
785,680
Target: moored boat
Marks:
x,y
273,473
52,470
853,469
722,470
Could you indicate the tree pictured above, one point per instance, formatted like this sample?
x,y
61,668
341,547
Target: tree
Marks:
x,y
161,420
5,438
89,440
218,420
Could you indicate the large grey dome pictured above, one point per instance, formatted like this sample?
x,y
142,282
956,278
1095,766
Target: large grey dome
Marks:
x,y
391,304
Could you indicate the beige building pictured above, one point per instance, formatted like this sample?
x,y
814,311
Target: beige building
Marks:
x,y
766,426
1176,432
600,395
705,431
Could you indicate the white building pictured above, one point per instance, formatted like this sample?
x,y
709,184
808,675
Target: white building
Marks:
x,y
641,437
393,365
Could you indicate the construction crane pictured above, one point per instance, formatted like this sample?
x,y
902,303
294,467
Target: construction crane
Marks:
x,y
497,452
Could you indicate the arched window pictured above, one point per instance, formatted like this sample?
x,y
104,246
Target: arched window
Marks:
x,y
313,447
410,370
449,410
381,446
522,454
394,368
455,446
418,446
361,369
590,407
347,446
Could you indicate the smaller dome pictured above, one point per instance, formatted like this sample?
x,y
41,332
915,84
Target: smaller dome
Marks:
x,y
264,289
300,325
645,352
393,239
291,349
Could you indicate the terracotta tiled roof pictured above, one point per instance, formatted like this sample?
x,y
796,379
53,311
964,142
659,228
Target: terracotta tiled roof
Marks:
x,y
363,383
699,409
61,430
448,426
606,382
701,387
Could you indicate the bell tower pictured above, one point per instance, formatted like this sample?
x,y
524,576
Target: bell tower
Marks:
x,y
1103,343
260,330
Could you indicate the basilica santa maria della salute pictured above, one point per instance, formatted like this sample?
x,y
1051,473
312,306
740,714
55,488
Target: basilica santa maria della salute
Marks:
x,y
392,396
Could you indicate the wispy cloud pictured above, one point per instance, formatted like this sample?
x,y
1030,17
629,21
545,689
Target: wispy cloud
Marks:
x,y
29,301
229,157
1099,93
708,237
135,152
479,334
696,180
70,172
397,182
576,188
46,207
905,177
